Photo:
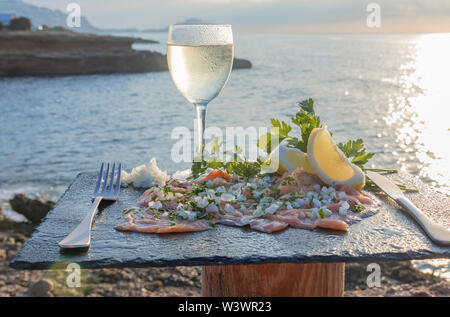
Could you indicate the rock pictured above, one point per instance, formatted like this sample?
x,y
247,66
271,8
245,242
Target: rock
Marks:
x,y
404,290
41,288
60,53
157,284
18,237
34,209
239,63
80,63
419,294
392,273
7,224
441,289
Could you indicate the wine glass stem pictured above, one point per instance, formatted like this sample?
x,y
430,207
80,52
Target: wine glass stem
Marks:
x,y
201,124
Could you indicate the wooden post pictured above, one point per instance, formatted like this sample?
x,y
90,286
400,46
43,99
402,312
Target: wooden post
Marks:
x,y
274,280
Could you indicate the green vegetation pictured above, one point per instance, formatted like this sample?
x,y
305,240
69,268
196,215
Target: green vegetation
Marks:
x,y
356,151
20,24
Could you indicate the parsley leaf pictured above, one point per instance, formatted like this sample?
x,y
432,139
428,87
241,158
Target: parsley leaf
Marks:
x,y
321,213
358,208
280,128
356,152
307,120
198,168
265,142
279,132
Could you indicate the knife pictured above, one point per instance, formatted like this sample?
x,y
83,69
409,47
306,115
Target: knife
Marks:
x,y
436,232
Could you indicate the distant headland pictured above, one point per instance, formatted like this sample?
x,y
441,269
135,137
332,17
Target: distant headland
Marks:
x,y
61,52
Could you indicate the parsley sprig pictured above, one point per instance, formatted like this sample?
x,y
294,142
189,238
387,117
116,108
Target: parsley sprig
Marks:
x,y
237,165
355,151
305,120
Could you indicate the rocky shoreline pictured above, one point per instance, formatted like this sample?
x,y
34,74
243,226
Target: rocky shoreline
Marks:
x,y
62,53
399,278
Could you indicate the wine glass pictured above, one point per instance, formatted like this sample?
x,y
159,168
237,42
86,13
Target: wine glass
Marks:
x,y
200,58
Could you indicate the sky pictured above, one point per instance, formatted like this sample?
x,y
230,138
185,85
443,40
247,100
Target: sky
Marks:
x,y
267,15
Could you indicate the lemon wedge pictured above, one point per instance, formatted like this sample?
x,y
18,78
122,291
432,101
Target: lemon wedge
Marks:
x,y
330,164
284,159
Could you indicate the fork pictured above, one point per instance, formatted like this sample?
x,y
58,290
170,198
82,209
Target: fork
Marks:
x,y
80,237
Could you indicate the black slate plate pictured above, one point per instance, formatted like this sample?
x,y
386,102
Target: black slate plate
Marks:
x,y
390,234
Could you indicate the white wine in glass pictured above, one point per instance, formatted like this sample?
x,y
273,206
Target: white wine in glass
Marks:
x,y
200,59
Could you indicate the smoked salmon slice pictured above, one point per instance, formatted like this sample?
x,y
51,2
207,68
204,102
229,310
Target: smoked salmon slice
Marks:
x,y
163,225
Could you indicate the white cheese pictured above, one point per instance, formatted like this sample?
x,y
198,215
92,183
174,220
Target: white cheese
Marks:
x,y
229,208
246,219
183,213
316,202
257,193
202,202
155,205
327,211
272,208
258,212
288,205
227,197
298,202
316,212
212,208
342,211
221,189
344,204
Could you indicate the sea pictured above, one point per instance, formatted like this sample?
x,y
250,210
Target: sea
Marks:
x,y
391,90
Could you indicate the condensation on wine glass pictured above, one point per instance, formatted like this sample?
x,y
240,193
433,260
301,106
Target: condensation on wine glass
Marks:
x,y
207,34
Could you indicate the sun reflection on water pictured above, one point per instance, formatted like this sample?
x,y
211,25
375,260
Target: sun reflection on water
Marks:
x,y
421,116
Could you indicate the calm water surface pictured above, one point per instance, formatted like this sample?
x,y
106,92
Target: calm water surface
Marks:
x,y
391,90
